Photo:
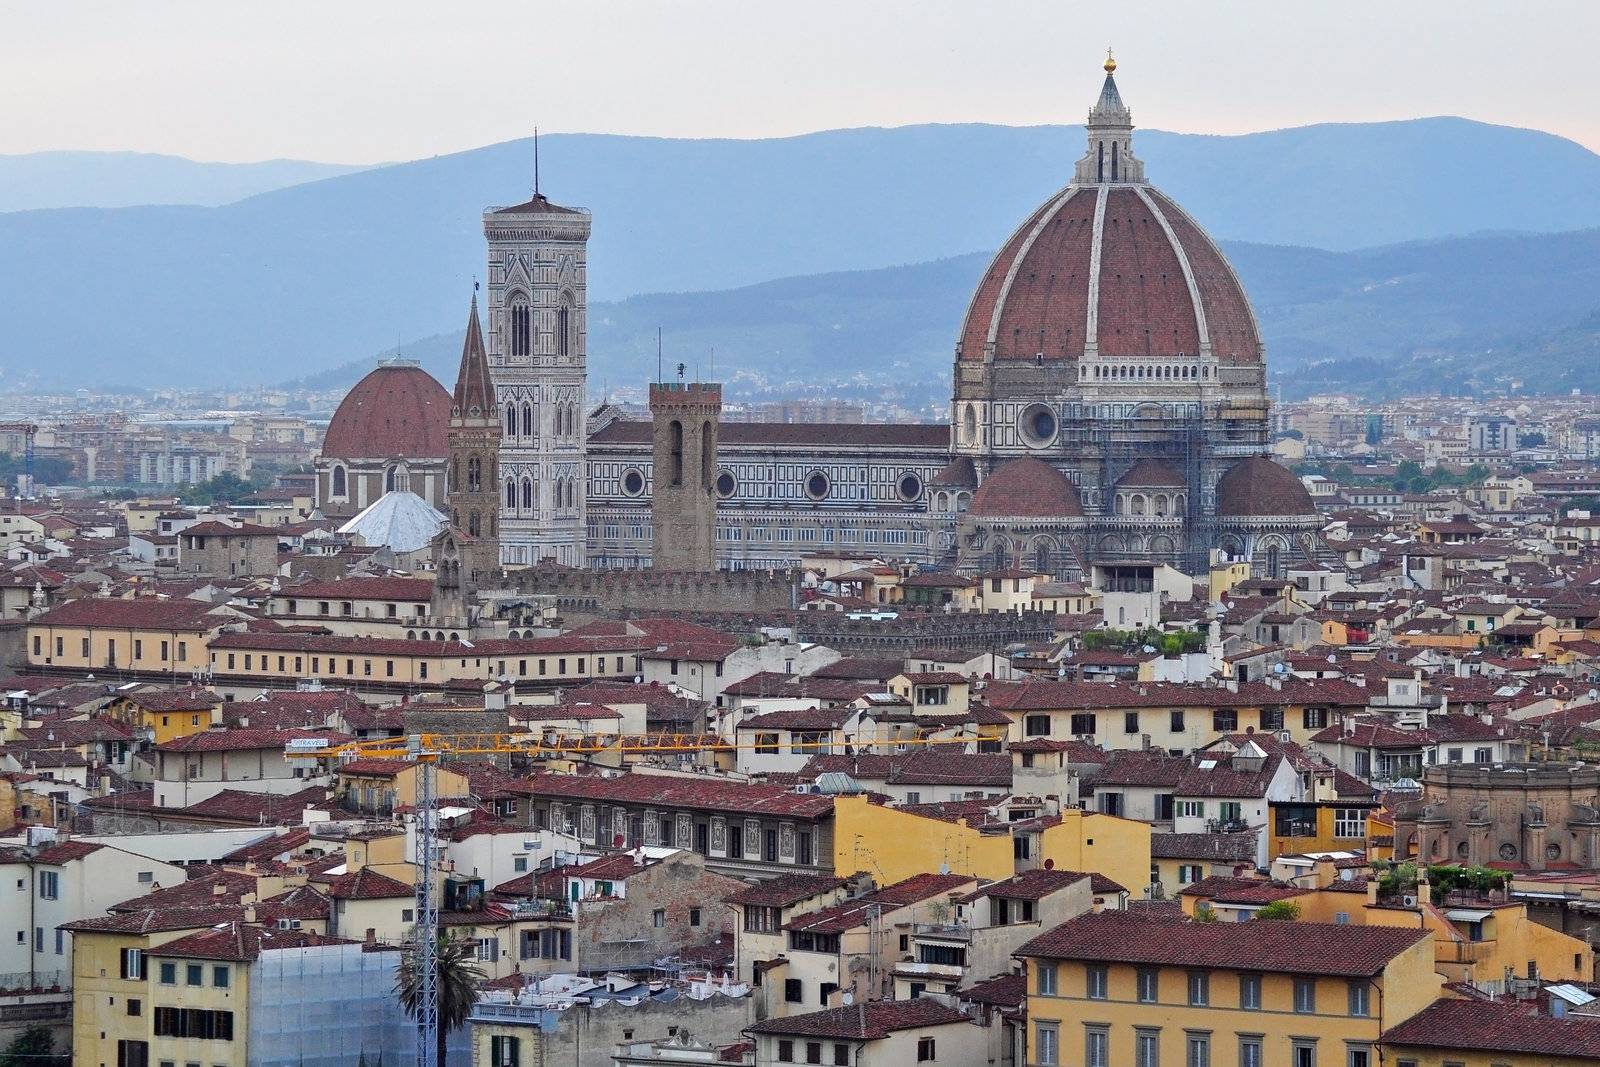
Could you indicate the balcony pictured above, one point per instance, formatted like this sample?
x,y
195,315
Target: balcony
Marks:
x,y
939,972
942,931
541,909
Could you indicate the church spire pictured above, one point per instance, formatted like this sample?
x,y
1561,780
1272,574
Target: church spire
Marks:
x,y
474,395
1110,156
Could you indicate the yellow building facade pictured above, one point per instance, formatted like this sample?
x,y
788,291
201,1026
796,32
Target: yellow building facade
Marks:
x,y
1116,988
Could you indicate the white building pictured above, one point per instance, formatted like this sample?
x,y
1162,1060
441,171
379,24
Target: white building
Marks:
x,y
53,882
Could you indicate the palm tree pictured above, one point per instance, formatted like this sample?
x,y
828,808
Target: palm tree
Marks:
x,y
458,978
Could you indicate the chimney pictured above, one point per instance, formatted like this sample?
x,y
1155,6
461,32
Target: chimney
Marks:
x,y
250,912
1372,892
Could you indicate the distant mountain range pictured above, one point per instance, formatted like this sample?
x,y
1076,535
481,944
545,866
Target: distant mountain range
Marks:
x,y
296,281
40,180
1448,314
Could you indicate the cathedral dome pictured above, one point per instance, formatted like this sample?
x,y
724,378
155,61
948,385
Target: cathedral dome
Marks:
x,y
1151,474
1026,488
1110,266
1257,487
397,410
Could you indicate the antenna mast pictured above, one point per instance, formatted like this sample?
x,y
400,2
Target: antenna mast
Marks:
x,y
536,162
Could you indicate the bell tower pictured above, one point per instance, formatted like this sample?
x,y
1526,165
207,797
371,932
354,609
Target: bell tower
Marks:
x,y
473,497
537,345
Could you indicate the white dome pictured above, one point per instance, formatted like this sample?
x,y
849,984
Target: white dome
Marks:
x,y
398,520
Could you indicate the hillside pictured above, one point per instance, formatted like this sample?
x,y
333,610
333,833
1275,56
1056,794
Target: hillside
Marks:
x,y
1417,316
302,279
40,180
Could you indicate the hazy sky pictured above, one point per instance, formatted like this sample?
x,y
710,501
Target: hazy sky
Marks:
x,y
357,81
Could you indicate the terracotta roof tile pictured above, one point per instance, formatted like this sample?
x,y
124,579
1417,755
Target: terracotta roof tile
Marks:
x,y
1496,1026
1273,946
871,1020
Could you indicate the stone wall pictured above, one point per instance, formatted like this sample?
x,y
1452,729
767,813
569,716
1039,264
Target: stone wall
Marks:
x,y
622,934
646,591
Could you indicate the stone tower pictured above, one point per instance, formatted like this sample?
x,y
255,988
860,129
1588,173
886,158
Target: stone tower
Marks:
x,y
538,356
473,495
683,499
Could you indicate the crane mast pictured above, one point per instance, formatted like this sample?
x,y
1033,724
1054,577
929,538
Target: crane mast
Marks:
x,y
426,931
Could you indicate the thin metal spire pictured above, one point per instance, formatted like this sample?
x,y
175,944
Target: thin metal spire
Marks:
x,y
536,162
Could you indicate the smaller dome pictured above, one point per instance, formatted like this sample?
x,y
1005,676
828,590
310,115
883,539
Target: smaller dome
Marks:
x,y
1026,488
397,410
1259,487
959,473
1151,474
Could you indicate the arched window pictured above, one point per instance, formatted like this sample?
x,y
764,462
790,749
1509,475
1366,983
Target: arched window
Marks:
x,y
564,345
1100,162
1000,556
521,327
388,479
1041,557
474,527
675,441
527,494
970,424
474,474
1272,561
1138,503
337,481
1113,161
511,493
527,419
511,420
1161,503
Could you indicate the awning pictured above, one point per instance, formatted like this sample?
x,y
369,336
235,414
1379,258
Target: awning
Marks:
x,y
1468,915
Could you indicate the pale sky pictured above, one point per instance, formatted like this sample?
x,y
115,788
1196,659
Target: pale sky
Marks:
x,y
357,81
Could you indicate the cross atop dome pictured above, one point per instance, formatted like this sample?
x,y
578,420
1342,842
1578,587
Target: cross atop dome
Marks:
x,y
1110,157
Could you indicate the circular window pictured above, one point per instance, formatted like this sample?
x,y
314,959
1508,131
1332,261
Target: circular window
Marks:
x,y
1038,425
1508,851
726,484
1552,851
817,485
1461,849
910,487
633,483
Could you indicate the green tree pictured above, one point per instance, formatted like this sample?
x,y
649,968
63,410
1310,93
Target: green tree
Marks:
x,y
1204,914
1279,911
458,978
225,488
34,1047
47,470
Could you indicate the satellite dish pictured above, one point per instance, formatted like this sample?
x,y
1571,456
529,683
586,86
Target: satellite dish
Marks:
x,y
848,998
944,868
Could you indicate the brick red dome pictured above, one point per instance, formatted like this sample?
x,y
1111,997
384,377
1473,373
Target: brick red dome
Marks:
x,y
394,411
1026,488
1162,288
1258,487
